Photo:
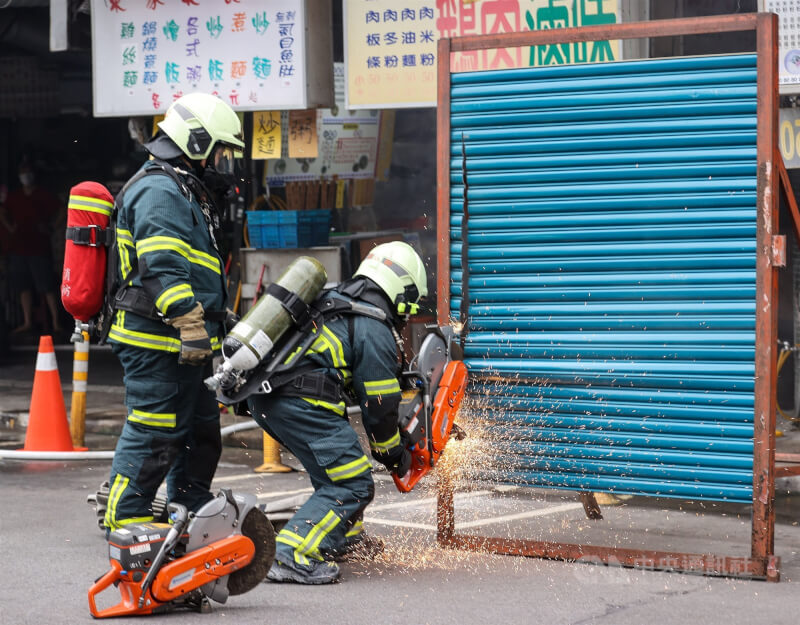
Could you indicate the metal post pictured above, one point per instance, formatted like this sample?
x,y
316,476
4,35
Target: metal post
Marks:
x,y
443,184
80,375
272,457
763,532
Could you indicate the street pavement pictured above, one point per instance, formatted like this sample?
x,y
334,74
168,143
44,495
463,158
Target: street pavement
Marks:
x,y
54,551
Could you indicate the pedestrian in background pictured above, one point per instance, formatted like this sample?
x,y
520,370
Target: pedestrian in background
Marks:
x,y
28,215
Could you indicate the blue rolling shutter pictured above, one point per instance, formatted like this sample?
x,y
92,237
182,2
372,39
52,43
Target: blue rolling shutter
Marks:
x,y
611,248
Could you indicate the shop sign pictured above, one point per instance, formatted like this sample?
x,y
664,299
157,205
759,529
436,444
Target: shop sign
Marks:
x,y
789,137
390,45
347,143
147,53
788,12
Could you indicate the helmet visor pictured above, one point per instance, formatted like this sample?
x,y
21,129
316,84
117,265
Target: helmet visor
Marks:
x,y
223,159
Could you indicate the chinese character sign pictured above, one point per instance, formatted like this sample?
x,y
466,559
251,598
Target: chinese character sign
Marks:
x,y
266,135
788,42
377,40
147,53
390,52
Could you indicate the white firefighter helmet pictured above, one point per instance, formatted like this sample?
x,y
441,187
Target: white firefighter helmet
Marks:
x,y
400,273
197,122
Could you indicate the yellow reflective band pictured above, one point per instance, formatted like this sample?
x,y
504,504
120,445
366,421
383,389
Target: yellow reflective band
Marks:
x,y
172,295
357,528
171,244
124,236
351,469
141,519
90,204
117,488
337,351
310,546
206,260
155,419
328,341
152,244
337,408
382,387
394,441
143,339
289,538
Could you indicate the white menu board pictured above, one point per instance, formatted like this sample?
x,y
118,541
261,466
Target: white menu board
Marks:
x,y
147,53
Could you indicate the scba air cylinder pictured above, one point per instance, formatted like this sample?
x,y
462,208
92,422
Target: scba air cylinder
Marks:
x,y
254,336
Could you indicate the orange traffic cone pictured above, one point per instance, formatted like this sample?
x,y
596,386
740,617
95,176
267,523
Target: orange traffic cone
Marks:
x,y
48,429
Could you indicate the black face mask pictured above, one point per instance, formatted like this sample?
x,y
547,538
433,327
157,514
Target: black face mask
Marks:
x,y
219,184
219,174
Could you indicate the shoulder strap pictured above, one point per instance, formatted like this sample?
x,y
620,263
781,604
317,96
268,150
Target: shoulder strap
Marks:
x,y
110,303
160,168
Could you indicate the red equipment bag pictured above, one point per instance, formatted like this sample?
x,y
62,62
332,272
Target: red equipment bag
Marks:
x,y
83,280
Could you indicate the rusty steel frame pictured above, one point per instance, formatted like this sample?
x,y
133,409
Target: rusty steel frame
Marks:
x,y
762,563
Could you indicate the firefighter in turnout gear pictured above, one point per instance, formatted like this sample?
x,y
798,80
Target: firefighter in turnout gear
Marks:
x,y
357,357
170,309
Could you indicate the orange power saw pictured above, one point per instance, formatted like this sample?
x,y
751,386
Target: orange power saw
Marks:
x,y
225,548
438,380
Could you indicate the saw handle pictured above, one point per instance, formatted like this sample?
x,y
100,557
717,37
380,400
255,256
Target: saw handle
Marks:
x,y
126,607
179,516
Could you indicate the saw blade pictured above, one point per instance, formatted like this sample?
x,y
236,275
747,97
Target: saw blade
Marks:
x,y
432,359
257,528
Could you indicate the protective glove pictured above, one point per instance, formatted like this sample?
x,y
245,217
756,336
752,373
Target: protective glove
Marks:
x,y
231,319
397,459
195,343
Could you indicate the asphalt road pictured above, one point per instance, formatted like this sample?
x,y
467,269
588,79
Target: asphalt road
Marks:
x,y
52,552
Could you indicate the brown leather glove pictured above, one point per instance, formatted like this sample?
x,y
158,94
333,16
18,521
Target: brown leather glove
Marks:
x,y
195,343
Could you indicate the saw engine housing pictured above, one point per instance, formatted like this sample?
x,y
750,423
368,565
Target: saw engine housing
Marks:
x,y
225,548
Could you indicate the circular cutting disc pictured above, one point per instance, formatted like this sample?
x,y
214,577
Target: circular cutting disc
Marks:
x,y
256,527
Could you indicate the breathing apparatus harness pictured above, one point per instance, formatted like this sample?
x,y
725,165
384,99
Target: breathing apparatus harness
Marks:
x,y
281,376
137,299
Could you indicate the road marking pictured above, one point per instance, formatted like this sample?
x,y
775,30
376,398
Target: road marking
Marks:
x,y
281,493
422,502
241,476
421,526
469,524
520,515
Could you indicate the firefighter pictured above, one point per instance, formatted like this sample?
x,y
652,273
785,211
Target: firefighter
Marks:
x,y
171,309
354,356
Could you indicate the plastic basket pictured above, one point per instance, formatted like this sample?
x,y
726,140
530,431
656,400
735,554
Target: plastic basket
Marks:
x,y
274,229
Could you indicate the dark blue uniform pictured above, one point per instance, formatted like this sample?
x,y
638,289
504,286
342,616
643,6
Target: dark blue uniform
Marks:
x,y
172,428
362,354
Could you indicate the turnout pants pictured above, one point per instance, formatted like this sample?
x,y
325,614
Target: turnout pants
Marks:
x,y
340,473
172,431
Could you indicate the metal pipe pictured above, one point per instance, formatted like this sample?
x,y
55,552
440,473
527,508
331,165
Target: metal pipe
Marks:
x,y
12,454
238,427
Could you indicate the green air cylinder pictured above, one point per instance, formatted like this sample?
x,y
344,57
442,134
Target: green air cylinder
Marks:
x,y
253,337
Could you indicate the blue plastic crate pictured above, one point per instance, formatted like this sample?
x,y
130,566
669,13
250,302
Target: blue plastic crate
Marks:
x,y
276,229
